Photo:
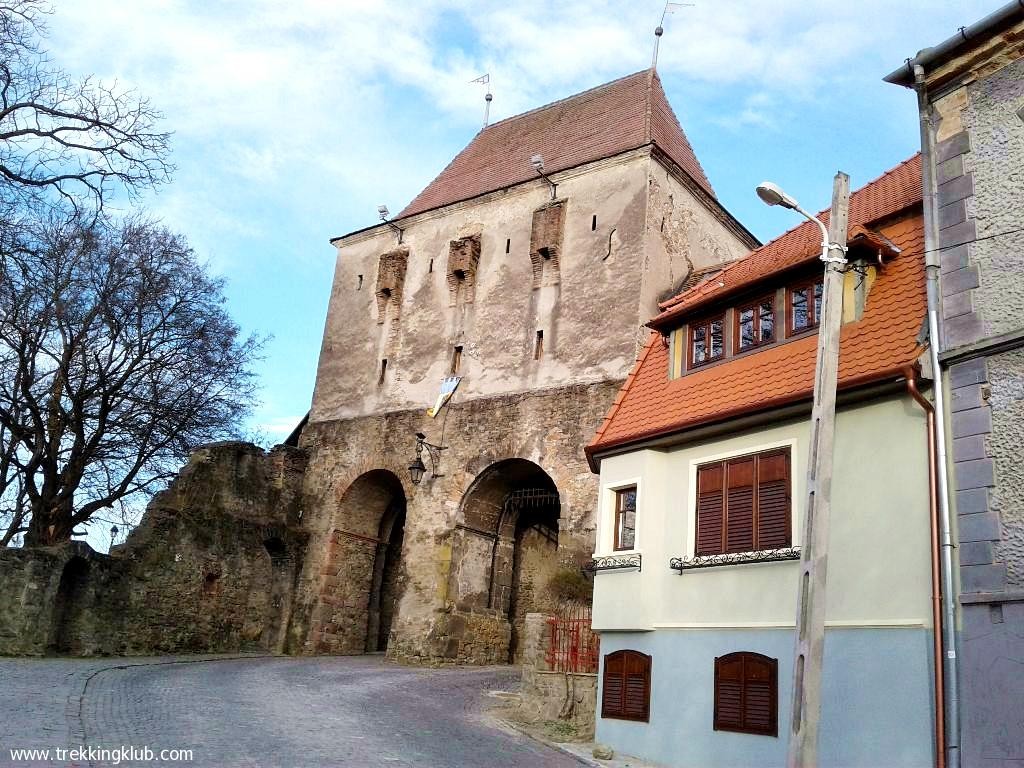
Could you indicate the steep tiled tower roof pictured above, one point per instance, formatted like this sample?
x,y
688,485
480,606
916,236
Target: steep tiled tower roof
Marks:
x,y
624,114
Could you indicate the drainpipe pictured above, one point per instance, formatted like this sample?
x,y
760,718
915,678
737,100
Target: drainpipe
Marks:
x,y
931,261
937,623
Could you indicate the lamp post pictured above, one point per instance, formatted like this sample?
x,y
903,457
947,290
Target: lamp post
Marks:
x,y
810,619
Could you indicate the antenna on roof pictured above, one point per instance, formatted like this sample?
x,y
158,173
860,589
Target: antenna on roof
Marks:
x,y
660,29
486,80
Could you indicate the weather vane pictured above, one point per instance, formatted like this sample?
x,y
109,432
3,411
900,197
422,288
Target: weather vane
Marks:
x,y
660,29
485,80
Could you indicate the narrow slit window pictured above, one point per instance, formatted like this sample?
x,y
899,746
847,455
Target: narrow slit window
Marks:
x,y
508,245
430,267
359,285
456,360
593,223
538,346
383,371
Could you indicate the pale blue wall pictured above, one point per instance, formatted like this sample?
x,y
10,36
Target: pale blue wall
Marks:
x,y
877,698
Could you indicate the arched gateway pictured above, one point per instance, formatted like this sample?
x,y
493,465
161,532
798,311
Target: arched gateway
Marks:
x,y
506,548
363,576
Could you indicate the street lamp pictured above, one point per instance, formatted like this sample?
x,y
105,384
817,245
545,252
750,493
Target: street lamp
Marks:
x,y
537,161
808,656
417,468
772,194
384,213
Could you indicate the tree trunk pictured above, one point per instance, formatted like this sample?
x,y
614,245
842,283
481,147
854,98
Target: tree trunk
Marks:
x,y
48,527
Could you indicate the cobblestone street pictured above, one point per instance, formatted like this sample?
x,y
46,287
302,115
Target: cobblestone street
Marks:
x,y
339,711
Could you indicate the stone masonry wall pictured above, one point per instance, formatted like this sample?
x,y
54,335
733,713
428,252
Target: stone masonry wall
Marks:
x,y
433,624
544,692
211,568
979,155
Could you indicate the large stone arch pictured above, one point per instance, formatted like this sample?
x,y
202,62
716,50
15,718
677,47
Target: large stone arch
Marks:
x,y
363,575
505,548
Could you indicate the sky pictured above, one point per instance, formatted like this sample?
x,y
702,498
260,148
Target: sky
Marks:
x,y
294,120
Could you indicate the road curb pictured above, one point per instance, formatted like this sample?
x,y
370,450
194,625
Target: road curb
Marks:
x,y
554,745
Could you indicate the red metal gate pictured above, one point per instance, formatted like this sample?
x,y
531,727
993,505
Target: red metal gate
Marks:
x,y
573,646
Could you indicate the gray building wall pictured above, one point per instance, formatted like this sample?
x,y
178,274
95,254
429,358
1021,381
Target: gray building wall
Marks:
x,y
980,165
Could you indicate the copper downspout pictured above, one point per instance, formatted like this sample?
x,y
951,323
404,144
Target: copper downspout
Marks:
x,y
933,508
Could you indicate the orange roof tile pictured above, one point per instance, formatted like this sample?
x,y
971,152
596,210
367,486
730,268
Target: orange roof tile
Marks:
x,y
890,193
877,346
624,114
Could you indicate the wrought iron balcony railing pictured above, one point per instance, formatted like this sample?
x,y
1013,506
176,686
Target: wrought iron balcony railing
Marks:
x,y
733,558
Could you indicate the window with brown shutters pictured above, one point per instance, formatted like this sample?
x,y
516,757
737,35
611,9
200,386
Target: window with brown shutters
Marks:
x,y
626,686
743,504
746,693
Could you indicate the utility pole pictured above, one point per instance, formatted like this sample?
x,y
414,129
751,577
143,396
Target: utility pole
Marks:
x,y
810,618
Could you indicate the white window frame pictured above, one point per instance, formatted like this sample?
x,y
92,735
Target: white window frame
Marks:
x,y
690,545
606,528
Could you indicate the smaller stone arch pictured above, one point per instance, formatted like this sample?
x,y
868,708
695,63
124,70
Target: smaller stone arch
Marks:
x,y
69,607
361,581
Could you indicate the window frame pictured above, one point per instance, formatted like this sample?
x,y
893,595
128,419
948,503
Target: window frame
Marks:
x,y
604,546
617,511
773,677
697,464
790,289
755,305
705,323
621,714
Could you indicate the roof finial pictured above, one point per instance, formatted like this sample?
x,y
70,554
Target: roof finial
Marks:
x,y
486,80
660,29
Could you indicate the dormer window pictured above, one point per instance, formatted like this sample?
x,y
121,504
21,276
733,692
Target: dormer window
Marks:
x,y
804,302
707,341
755,324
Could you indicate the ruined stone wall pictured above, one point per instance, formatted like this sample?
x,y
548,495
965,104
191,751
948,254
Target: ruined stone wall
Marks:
x,y
438,620
211,568
29,580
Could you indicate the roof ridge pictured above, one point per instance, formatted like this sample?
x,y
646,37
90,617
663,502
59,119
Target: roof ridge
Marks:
x,y
564,99
625,114
697,289
648,105
702,176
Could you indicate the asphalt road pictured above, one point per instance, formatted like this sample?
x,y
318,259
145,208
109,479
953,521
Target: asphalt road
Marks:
x,y
339,711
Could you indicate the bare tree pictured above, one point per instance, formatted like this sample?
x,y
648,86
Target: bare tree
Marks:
x,y
75,140
117,357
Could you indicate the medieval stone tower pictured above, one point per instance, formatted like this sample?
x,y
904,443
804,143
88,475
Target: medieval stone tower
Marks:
x,y
534,291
